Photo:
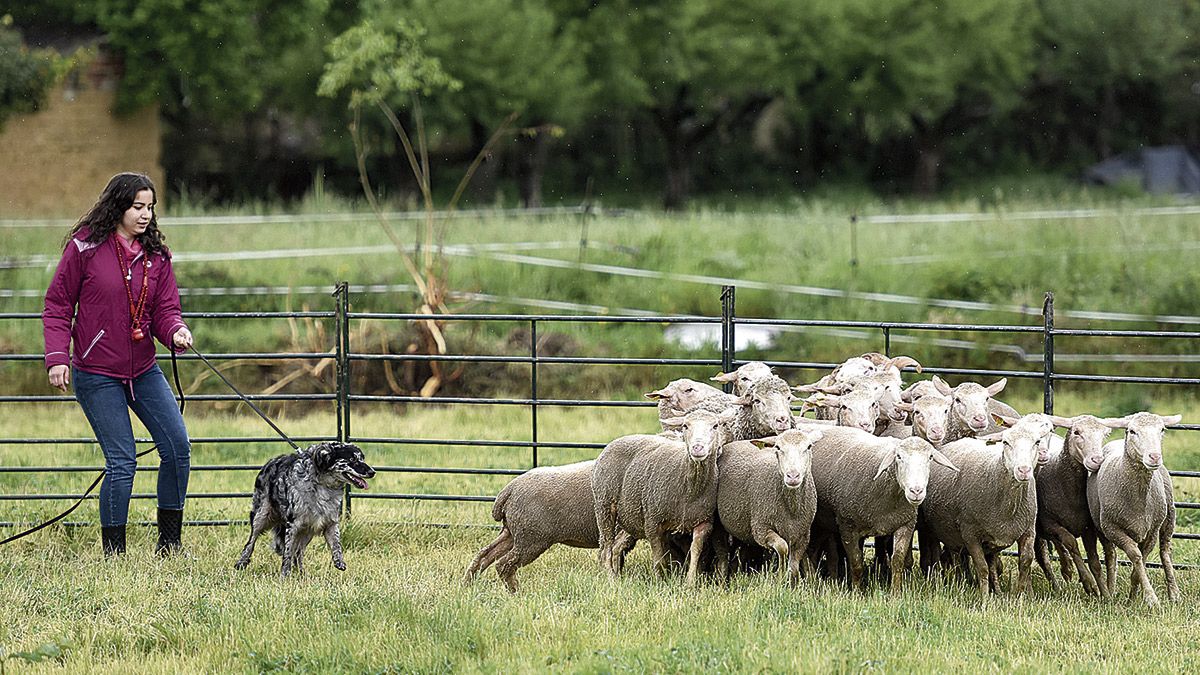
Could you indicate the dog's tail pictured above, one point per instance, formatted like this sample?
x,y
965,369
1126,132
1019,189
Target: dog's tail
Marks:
x,y
501,500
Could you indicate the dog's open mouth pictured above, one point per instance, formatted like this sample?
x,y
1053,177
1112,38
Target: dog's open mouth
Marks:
x,y
356,481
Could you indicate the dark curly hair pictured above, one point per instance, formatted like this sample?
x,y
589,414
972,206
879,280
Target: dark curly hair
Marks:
x,y
101,220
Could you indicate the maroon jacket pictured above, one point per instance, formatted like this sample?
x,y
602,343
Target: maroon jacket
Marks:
x,y
87,305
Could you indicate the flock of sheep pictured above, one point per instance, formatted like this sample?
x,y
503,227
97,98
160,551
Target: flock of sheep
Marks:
x,y
734,477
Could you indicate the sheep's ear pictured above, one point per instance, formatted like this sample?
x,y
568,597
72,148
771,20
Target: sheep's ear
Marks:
x,y
941,458
763,442
727,416
742,400
1114,422
1004,420
806,388
1064,422
1172,419
997,387
904,407
724,377
887,461
815,435
942,387
673,423
999,435
657,395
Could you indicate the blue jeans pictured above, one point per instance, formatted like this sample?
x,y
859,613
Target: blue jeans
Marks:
x,y
104,400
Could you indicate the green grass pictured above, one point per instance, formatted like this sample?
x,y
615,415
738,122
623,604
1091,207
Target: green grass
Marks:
x,y
401,606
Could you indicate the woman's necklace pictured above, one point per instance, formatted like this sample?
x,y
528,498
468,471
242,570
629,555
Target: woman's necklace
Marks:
x,y
135,310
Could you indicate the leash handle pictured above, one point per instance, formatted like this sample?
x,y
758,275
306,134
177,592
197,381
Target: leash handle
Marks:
x,y
248,402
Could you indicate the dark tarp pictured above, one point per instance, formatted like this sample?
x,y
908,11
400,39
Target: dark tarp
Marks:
x,y
1170,169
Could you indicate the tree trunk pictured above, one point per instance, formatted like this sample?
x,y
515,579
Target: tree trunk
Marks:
x,y
482,188
534,149
678,171
929,165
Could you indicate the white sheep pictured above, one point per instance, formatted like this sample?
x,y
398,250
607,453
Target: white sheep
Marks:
x,y
540,508
744,376
1062,514
1131,500
767,498
868,486
682,395
970,415
671,488
989,504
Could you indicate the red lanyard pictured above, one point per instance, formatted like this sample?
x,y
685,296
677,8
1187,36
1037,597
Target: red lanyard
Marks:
x,y
135,310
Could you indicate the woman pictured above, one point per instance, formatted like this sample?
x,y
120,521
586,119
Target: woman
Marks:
x,y
114,288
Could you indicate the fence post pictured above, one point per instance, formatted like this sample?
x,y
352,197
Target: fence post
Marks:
x,y
533,388
853,240
728,346
1048,354
585,217
342,361
887,341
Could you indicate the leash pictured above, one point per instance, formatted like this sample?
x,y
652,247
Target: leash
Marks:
x,y
248,402
64,514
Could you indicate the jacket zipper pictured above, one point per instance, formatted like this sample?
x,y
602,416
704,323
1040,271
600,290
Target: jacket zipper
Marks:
x,y
93,344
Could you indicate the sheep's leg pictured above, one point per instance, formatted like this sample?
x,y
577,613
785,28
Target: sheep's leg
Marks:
x,y
333,539
831,557
1164,552
1024,562
621,548
1069,547
1138,579
772,540
520,556
929,553
979,560
260,522
854,559
489,554
699,537
721,554
901,545
606,523
883,552
1041,550
1065,559
659,553
1093,561
1110,564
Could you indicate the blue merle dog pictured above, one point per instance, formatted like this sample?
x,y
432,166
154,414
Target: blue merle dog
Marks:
x,y
300,496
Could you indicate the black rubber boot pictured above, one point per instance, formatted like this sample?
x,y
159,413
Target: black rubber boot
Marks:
x,y
112,540
170,522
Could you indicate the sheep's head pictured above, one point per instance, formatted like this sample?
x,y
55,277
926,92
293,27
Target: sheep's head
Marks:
x,y
793,453
859,366
1021,442
744,376
681,395
769,402
1085,438
930,417
968,401
1143,437
917,390
1035,423
704,433
857,409
909,459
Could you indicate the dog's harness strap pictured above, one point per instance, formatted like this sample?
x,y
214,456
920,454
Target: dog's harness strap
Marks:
x,y
248,402
64,514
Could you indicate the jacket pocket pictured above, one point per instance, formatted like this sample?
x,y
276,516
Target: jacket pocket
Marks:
x,y
91,345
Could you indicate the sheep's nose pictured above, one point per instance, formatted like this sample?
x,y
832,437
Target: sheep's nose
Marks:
x,y
979,421
1024,472
1155,457
783,422
916,494
792,479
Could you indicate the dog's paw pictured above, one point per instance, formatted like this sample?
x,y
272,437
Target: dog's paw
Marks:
x,y
241,564
340,564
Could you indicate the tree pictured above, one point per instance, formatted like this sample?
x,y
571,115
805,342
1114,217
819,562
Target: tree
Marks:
x,y
26,76
1105,68
926,72
697,67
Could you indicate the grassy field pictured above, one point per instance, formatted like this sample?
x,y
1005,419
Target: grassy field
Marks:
x,y
401,607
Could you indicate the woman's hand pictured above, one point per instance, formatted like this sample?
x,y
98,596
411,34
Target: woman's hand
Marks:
x,y
60,377
182,338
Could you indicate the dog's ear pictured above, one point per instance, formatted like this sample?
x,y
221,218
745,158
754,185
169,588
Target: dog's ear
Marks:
x,y
323,456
